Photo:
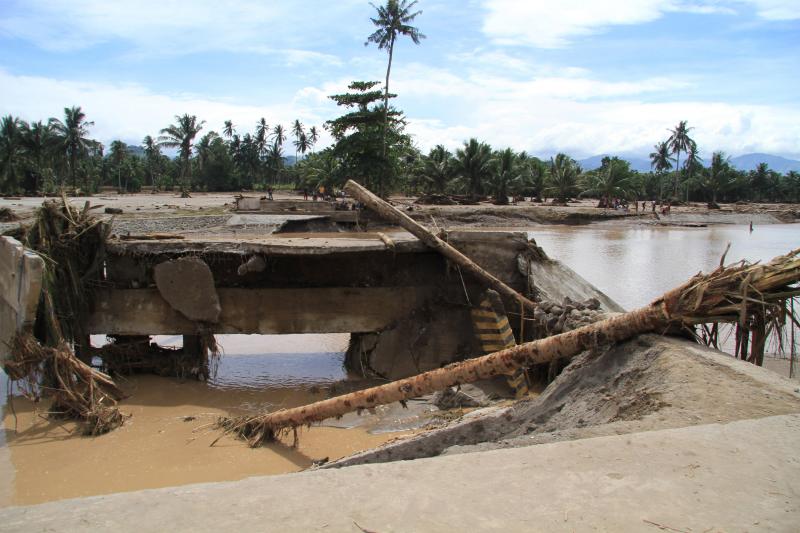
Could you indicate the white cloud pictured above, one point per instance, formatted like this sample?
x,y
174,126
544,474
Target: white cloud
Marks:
x,y
417,80
130,111
578,114
776,9
547,25
173,26
585,117
543,24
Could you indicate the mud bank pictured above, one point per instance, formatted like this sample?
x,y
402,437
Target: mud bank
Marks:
x,y
581,213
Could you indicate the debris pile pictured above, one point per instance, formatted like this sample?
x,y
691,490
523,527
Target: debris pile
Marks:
x,y
72,242
568,315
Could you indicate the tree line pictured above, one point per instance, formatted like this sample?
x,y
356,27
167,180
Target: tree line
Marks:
x,y
45,156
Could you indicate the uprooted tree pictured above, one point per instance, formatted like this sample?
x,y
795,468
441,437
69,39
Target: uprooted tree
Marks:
x,y
72,243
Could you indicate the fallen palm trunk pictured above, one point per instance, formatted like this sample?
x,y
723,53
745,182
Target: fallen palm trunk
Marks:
x,y
727,294
388,212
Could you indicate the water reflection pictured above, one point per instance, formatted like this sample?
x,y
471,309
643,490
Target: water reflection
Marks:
x,y
634,265
275,361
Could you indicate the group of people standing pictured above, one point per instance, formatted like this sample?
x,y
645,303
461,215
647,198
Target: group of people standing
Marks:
x,y
666,207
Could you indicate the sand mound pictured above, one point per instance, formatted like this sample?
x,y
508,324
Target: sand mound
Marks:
x,y
650,382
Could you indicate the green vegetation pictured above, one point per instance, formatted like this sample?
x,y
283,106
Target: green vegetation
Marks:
x,y
47,156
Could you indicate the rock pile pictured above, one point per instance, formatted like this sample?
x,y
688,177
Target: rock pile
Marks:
x,y
568,315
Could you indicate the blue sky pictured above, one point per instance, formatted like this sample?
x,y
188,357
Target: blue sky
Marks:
x,y
585,77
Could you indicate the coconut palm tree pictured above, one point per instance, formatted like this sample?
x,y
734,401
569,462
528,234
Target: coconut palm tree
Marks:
x,y
504,171
278,135
759,179
313,137
262,134
275,159
717,178
203,148
472,165
679,141
73,138
229,130
152,154
118,152
322,170
563,177
661,162
437,169
298,132
181,135
792,180
11,151
392,21
693,163
302,145
612,181
533,176
38,141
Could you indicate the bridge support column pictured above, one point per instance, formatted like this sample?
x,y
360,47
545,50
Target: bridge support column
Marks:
x,y
430,337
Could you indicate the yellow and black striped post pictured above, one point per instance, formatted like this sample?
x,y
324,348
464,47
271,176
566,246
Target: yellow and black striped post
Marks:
x,y
494,333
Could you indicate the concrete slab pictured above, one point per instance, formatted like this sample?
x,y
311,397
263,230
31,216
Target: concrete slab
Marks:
x,y
267,220
20,287
187,285
742,476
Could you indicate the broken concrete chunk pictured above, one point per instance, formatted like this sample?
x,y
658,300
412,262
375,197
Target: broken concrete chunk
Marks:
x,y
188,286
254,264
20,287
453,399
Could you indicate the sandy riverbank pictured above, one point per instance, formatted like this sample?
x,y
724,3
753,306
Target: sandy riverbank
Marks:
x,y
170,205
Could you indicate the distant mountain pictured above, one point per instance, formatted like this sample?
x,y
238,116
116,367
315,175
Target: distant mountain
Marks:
x,y
742,162
637,163
138,151
775,162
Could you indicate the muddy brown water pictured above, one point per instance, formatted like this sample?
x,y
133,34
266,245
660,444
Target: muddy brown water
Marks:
x,y
636,264
167,440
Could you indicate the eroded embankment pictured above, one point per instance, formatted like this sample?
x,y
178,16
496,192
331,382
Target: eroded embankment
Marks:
x,y
648,383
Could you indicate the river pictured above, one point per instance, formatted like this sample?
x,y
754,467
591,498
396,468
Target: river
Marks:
x,y
635,264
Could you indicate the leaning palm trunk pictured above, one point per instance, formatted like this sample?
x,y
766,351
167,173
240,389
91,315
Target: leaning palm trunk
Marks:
x,y
729,294
385,210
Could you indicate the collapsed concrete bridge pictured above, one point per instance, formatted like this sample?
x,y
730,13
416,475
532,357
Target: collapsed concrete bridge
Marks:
x,y
406,307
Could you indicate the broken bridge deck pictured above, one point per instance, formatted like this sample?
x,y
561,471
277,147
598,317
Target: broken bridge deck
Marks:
x,y
309,283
